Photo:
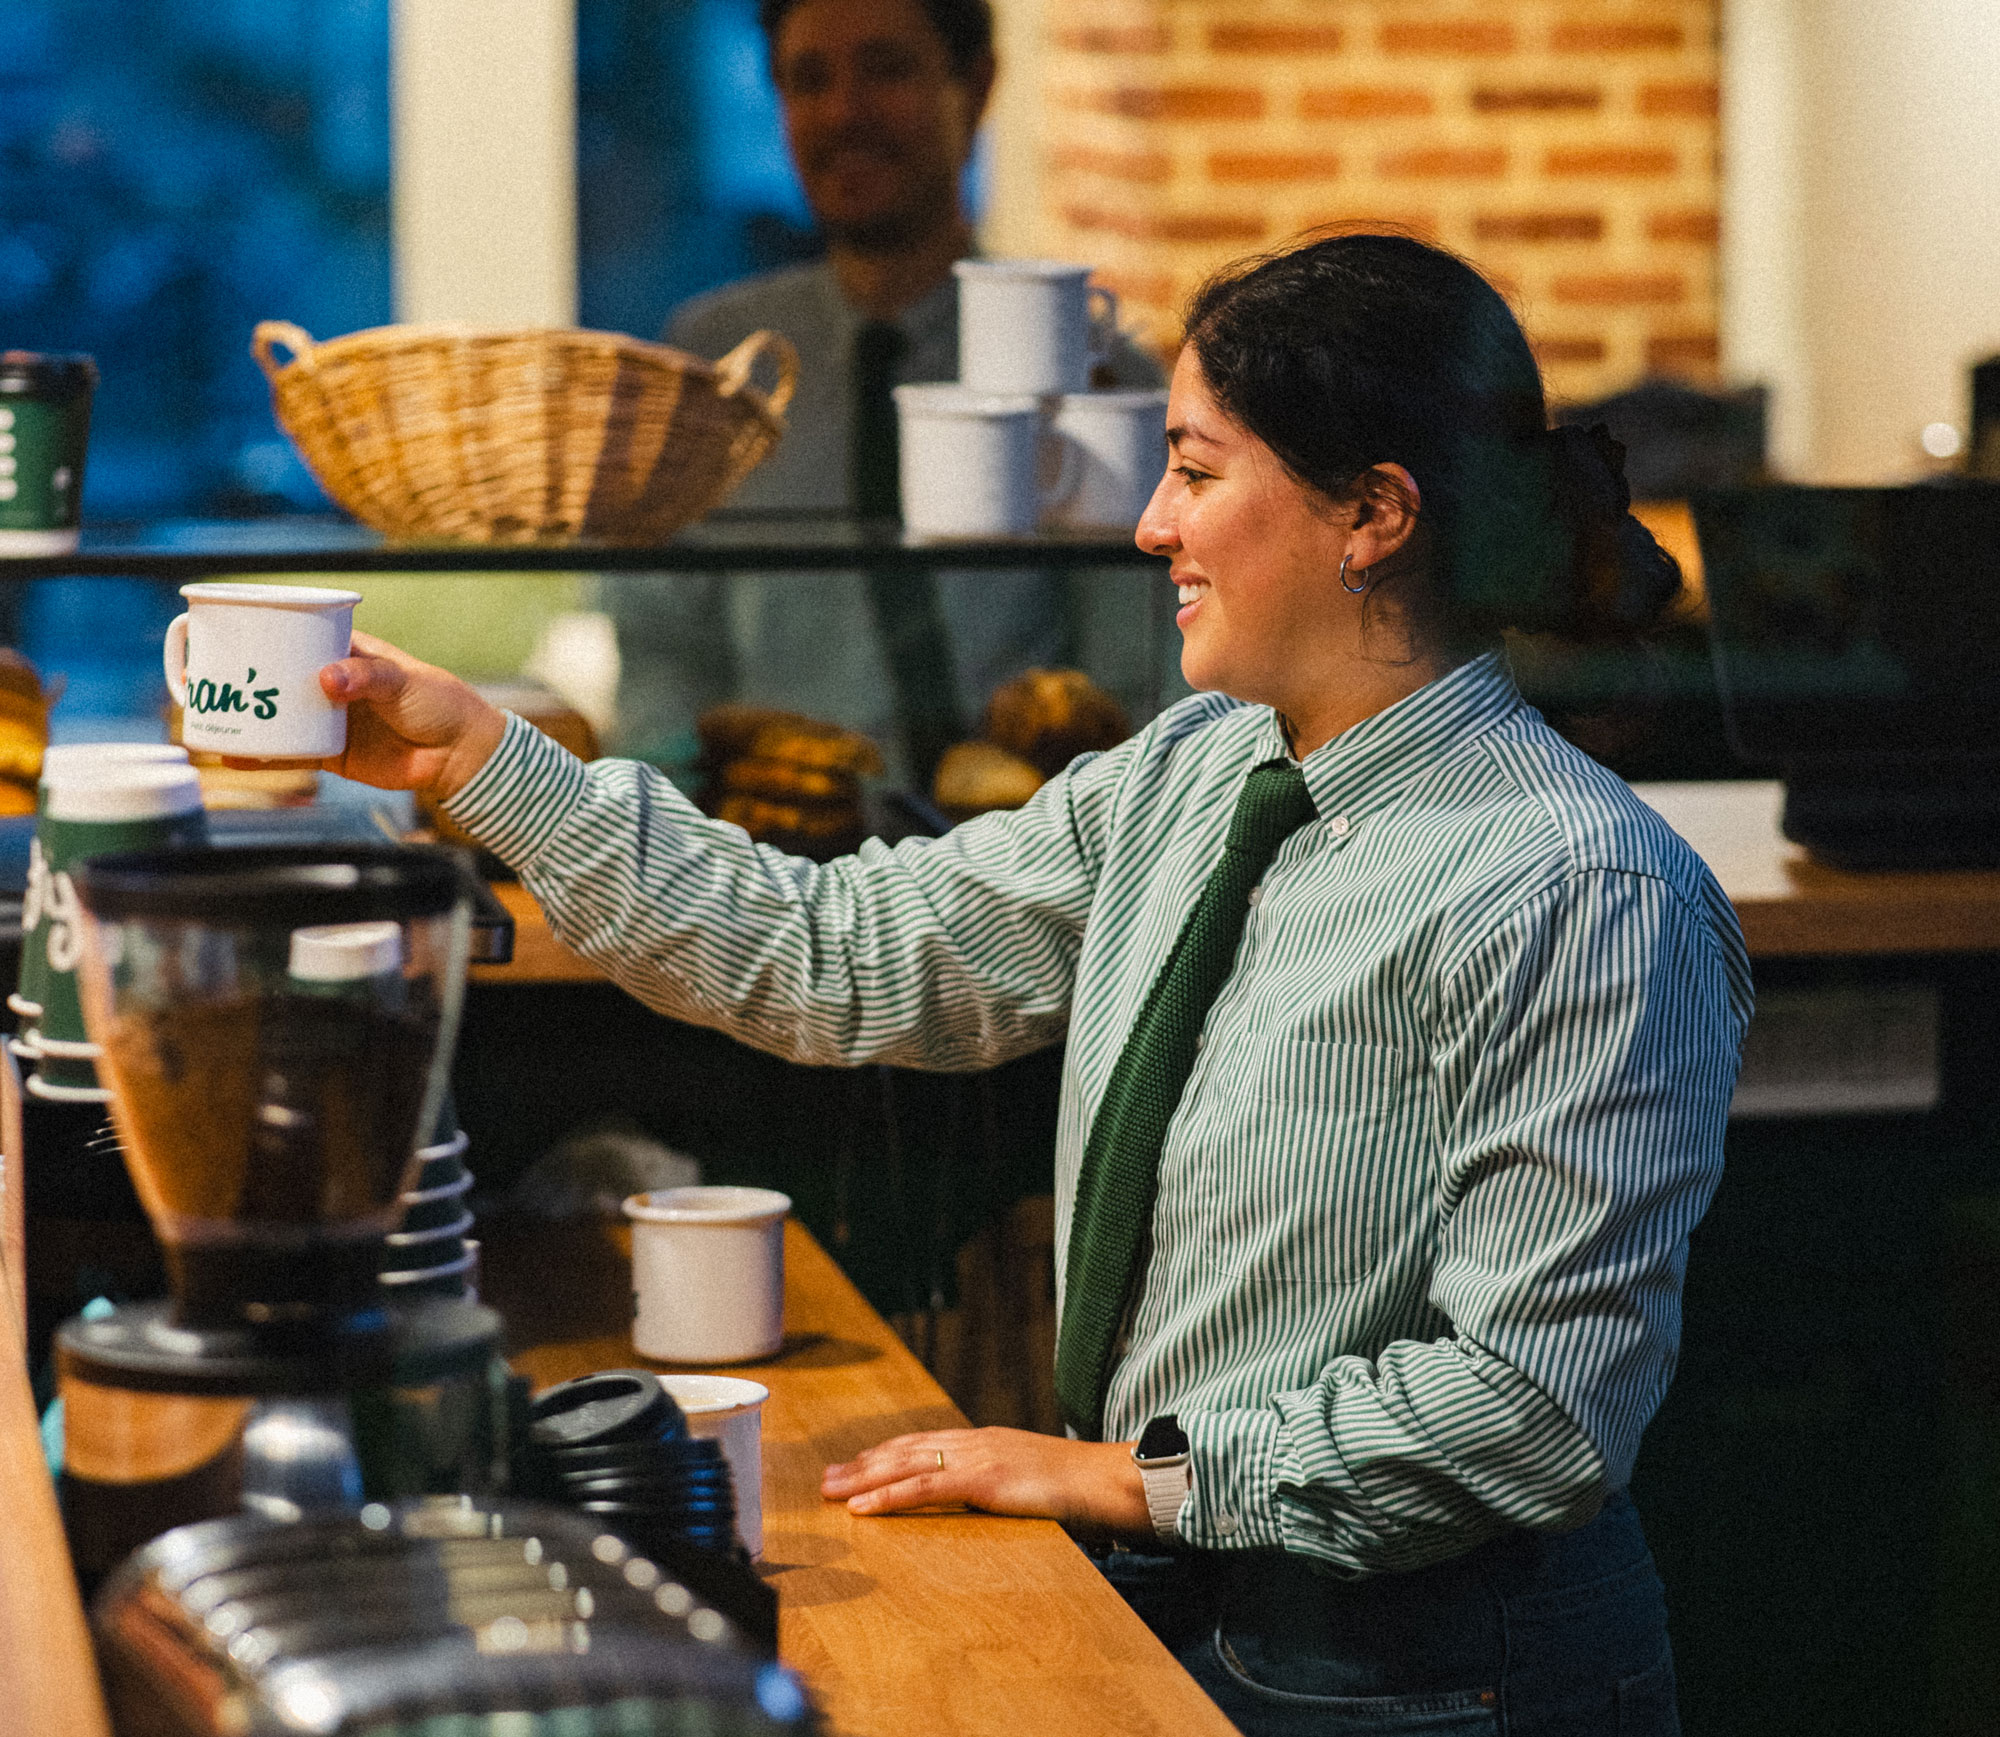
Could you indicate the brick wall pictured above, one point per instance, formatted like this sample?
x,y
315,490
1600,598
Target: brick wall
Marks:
x,y
1568,147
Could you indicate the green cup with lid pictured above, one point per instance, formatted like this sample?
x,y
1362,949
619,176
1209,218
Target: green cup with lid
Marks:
x,y
70,760
44,434
87,810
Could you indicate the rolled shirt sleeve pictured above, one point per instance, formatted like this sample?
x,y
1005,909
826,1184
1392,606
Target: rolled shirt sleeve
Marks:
x,y
1584,1053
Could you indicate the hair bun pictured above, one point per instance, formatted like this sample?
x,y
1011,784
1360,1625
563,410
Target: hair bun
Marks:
x,y
1623,579
1590,472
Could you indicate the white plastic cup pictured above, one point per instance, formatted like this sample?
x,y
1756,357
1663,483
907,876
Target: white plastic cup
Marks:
x,y
725,1409
972,463
243,665
1031,325
1121,444
708,1273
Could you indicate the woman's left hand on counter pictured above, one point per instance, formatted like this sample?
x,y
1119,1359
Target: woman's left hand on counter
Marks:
x,y
1088,1485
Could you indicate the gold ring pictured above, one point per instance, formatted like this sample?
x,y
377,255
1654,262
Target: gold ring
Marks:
x,y
940,1455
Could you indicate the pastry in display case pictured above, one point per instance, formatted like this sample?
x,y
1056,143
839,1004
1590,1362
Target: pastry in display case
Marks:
x,y
1035,725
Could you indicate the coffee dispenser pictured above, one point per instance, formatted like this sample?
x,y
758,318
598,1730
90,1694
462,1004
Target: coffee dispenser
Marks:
x,y
276,1029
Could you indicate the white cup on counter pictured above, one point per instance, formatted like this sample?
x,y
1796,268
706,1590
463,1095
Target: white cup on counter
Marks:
x,y
1120,440
708,1273
978,464
243,665
728,1410
1034,326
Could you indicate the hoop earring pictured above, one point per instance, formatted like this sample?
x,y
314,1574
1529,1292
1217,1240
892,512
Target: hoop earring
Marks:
x,y
1352,590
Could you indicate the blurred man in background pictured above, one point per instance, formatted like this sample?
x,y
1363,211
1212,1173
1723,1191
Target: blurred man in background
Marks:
x,y
882,102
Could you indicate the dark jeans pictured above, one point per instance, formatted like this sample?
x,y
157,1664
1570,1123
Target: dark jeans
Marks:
x,y
1530,1635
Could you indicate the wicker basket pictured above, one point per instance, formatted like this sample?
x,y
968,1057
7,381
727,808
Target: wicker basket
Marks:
x,y
538,436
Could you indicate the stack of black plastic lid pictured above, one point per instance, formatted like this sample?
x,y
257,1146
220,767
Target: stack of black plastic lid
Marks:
x,y
427,1255
616,1446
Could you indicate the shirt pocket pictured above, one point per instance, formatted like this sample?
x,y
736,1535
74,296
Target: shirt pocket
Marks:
x,y
1327,1173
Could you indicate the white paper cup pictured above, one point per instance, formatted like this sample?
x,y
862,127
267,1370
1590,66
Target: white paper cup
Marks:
x,y
243,665
708,1273
725,1409
1121,444
972,463
1030,325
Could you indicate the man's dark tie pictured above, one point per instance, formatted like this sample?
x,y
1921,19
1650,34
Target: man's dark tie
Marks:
x,y
905,604
1121,1159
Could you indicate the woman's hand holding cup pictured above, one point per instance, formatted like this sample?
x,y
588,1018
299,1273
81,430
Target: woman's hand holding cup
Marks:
x,y
410,725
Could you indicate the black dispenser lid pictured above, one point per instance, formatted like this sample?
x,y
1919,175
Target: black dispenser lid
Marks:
x,y
277,886
139,1347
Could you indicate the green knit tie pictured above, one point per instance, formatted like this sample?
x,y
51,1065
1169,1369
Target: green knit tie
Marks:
x,y
1121,1161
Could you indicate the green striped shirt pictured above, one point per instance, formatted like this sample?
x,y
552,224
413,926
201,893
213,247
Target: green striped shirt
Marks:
x,y
1423,1210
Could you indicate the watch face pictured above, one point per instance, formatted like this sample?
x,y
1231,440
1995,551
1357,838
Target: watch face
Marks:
x,y
1163,1440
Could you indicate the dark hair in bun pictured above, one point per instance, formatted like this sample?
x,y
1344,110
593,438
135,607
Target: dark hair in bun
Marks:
x,y
1358,350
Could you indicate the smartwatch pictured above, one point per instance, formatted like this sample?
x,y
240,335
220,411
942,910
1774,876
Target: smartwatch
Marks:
x,y
1162,1458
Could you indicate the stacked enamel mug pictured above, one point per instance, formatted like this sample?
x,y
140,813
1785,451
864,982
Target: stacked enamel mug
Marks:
x,y
1021,441
95,798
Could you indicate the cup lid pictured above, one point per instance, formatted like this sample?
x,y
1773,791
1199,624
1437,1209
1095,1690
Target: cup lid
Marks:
x,y
1048,268
109,791
696,1394
62,757
948,398
708,1205
1117,398
34,373
271,596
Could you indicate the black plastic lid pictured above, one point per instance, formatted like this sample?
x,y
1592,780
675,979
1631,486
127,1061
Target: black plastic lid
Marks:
x,y
280,885
40,374
619,1405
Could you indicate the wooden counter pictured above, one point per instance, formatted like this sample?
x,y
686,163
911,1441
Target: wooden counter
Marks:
x,y
925,1625
906,1626
1790,906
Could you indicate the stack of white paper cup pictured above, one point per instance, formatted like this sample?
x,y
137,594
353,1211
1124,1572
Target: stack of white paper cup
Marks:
x,y
123,796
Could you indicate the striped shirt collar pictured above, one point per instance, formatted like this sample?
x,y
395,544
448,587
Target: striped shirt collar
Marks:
x,y
1368,765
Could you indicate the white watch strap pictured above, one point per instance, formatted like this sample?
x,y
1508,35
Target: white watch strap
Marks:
x,y
1167,1488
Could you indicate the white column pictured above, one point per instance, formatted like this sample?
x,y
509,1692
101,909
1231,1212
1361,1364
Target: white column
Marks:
x,y
1013,222
1861,243
484,161
1763,241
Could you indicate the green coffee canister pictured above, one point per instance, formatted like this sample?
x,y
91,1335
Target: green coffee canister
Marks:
x,y
97,810
44,434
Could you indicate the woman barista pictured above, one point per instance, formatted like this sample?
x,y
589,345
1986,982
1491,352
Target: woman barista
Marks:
x,y
1400,1035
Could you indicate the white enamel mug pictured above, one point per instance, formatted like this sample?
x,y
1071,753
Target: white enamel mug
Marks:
x,y
708,1273
724,1409
1031,325
972,463
1121,444
243,665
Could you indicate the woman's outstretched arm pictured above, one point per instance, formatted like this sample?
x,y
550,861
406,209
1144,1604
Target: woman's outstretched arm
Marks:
x,y
952,954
